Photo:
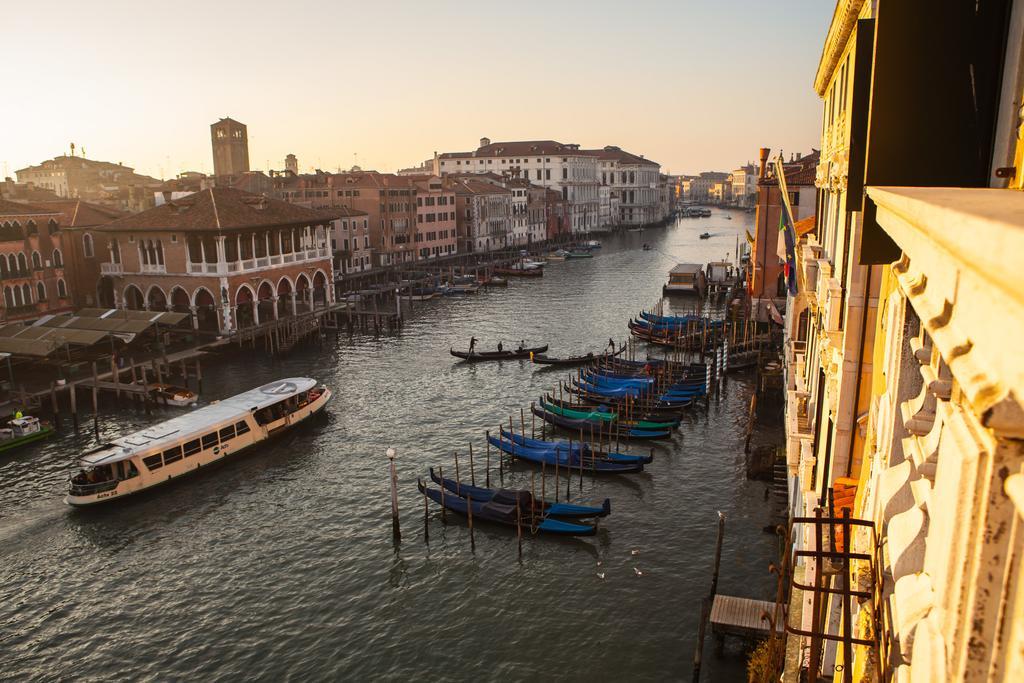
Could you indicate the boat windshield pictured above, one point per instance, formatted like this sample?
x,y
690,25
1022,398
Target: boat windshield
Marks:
x,y
287,406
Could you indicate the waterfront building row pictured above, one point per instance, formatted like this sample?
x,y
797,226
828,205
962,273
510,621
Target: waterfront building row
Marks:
x,y
905,397
604,188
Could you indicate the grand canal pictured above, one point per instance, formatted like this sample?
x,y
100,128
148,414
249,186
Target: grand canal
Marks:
x,y
281,565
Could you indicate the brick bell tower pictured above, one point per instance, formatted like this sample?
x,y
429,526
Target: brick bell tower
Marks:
x,y
230,140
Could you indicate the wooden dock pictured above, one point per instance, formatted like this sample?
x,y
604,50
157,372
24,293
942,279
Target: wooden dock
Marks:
x,y
733,616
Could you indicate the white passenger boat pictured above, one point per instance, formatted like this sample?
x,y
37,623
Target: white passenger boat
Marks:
x,y
184,444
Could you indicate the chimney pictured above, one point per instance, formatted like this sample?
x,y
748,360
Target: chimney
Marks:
x,y
484,142
765,151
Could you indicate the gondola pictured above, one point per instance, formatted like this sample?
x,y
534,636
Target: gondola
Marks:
x,y
653,406
523,498
602,415
563,457
563,446
642,412
541,359
593,430
705,235
509,515
477,356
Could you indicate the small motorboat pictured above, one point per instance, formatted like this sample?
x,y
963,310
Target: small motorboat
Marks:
x,y
705,235
579,253
647,247
495,281
172,395
520,272
557,255
594,244
477,356
23,430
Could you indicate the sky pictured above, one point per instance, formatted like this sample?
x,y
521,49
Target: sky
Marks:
x,y
693,84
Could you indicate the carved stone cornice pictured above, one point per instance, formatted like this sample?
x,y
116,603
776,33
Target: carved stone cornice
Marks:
x,y
843,21
960,271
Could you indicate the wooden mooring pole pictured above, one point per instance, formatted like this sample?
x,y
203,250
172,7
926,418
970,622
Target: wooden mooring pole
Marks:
x,y
705,604
395,527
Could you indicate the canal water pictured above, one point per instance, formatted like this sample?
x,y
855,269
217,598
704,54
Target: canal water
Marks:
x,y
281,565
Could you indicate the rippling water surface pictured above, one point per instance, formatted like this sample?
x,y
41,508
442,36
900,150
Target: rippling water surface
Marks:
x,y
281,564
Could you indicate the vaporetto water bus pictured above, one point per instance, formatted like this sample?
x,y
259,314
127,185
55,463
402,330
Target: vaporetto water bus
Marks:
x,y
182,445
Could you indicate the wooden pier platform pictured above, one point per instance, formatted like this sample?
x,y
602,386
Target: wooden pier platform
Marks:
x,y
734,616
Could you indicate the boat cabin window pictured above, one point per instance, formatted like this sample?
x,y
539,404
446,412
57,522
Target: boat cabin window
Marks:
x,y
241,427
209,440
192,447
172,455
153,462
227,433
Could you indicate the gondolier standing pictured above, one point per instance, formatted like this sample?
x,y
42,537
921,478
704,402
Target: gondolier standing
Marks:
x,y
611,343
472,344
499,347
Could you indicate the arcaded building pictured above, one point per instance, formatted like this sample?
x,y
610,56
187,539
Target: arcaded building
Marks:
x,y
230,258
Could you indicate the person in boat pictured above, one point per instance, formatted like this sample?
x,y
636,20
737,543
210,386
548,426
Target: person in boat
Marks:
x,y
472,344
522,345
611,344
499,347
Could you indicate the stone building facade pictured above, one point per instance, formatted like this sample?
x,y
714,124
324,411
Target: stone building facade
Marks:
x,y
564,168
904,404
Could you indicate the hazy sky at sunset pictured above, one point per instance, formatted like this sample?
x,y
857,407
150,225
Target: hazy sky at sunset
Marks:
x,y
694,84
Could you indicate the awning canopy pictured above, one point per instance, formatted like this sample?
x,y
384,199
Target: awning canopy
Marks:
x,y
84,328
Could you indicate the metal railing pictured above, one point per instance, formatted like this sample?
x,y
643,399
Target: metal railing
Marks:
x,y
78,489
834,563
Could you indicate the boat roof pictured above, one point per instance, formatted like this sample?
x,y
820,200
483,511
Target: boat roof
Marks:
x,y
193,424
686,268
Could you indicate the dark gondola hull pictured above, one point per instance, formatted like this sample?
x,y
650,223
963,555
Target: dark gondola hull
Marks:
x,y
541,359
480,356
594,431
522,497
505,514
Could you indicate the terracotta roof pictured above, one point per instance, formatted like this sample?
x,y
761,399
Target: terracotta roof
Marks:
x,y
469,186
804,226
348,212
77,213
516,148
9,208
612,153
220,208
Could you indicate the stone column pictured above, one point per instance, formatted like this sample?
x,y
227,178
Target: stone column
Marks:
x,y
256,312
291,297
275,299
194,310
221,255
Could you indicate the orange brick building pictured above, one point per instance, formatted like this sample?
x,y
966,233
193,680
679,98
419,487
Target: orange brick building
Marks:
x,y
31,262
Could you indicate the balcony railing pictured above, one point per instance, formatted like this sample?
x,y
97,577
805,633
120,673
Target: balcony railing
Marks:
x,y
111,268
257,263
